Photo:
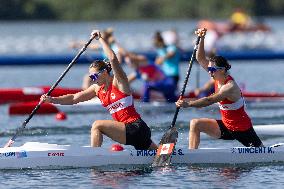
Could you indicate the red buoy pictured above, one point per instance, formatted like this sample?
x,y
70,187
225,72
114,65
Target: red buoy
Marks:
x,y
116,147
60,116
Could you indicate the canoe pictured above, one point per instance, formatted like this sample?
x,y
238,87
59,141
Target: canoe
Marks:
x,y
44,155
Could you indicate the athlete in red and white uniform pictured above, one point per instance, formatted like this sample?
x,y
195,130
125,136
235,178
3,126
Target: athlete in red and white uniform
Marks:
x,y
233,114
115,94
119,105
235,123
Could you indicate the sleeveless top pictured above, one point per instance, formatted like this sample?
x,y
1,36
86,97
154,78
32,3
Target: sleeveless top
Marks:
x,y
119,105
233,114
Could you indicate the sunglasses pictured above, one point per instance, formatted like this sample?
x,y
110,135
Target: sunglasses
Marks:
x,y
95,76
214,69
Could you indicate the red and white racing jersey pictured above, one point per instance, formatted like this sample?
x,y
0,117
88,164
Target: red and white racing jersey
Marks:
x,y
233,114
119,105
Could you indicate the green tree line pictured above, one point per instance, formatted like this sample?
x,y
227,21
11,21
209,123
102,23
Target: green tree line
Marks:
x,y
90,10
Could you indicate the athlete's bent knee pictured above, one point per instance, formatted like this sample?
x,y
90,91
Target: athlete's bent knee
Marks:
x,y
97,125
194,125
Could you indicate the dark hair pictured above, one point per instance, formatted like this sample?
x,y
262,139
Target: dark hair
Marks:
x,y
101,64
220,61
158,39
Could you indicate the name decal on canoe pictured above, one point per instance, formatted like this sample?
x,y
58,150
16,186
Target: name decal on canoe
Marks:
x,y
154,152
253,150
14,154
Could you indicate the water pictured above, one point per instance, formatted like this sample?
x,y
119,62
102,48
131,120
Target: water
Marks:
x,y
143,177
256,75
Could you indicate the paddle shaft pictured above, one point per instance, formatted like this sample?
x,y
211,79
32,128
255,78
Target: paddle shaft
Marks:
x,y
197,77
186,80
19,130
169,139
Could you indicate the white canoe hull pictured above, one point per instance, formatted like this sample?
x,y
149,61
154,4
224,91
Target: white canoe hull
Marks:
x,y
43,155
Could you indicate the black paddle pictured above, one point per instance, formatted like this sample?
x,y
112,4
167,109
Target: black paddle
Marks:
x,y
169,139
20,130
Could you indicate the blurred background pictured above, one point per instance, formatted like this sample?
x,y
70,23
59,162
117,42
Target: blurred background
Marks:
x,y
49,26
38,33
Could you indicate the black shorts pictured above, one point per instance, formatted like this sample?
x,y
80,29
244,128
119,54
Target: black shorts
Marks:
x,y
248,138
138,134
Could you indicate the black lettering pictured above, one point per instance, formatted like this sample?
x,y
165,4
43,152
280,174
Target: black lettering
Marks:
x,y
145,152
180,152
151,152
247,150
270,151
139,153
11,154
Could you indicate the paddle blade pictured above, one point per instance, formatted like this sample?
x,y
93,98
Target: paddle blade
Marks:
x,y
166,148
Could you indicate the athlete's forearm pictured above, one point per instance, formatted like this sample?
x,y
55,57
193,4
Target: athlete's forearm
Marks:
x,y
63,100
200,55
202,102
109,52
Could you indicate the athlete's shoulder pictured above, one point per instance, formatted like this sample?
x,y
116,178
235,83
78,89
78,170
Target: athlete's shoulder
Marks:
x,y
228,87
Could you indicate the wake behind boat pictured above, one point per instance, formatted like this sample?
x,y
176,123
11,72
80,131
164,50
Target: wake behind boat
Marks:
x,y
44,155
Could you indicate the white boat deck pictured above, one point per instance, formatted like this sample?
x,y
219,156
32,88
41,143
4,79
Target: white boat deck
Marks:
x,y
44,155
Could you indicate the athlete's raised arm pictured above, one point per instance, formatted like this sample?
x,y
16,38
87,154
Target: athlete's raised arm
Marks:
x,y
120,77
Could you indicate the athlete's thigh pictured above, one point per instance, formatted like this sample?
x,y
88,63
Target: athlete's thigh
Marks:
x,y
210,127
114,129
